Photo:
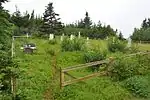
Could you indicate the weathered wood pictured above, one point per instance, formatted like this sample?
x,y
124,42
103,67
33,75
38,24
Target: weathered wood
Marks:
x,y
107,61
61,79
85,65
143,53
84,78
69,75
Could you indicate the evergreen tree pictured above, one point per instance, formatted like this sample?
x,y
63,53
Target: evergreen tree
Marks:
x,y
51,24
17,19
87,21
120,36
2,1
144,24
32,15
80,24
148,22
6,62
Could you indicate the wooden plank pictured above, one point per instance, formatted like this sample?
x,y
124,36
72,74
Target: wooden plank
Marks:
x,y
69,75
84,78
61,79
85,65
143,53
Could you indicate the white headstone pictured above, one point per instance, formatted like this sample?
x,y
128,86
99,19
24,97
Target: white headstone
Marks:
x,y
87,42
61,38
113,39
107,38
71,37
79,35
129,42
51,36
63,34
87,38
27,35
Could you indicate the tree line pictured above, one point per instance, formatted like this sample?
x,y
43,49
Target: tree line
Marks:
x,y
142,33
50,23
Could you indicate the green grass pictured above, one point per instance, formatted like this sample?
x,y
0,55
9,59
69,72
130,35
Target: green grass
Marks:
x,y
35,81
144,47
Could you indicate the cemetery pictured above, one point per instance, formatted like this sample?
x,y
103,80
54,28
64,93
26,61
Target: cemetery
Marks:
x,y
45,58
72,58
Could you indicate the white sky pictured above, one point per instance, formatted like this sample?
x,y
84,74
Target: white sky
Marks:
x,y
124,15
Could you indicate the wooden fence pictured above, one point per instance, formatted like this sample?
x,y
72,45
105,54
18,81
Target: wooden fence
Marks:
x,y
65,71
108,61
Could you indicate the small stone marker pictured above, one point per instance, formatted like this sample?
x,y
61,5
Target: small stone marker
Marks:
x,y
27,35
87,38
62,37
71,37
129,42
87,41
107,38
51,36
79,35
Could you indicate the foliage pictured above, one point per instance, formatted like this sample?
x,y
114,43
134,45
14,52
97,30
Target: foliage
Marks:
x,y
133,49
138,85
127,67
94,55
120,36
51,22
7,65
53,42
115,45
73,45
142,34
100,88
51,52
96,31
87,22
2,1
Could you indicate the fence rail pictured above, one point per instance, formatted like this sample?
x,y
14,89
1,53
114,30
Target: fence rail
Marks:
x,y
108,61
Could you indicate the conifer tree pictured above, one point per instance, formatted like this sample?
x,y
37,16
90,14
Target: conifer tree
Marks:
x,y
51,22
87,21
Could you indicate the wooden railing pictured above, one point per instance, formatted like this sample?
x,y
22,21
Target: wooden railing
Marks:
x,y
64,71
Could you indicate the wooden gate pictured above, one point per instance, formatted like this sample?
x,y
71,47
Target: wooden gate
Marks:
x,y
65,71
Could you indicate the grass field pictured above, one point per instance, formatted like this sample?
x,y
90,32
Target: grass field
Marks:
x,y
34,82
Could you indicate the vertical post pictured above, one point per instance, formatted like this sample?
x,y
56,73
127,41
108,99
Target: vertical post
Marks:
x,y
13,80
61,78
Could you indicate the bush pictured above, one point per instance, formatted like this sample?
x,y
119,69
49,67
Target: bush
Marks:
x,y
138,85
124,68
73,45
115,45
51,52
133,49
94,55
53,42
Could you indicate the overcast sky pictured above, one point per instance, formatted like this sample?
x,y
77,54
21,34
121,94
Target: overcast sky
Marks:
x,y
124,15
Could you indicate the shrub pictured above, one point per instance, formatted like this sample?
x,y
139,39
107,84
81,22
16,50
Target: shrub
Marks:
x,y
138,85
115,45
94,55
53,42
51,52
124,68
73,45
133,49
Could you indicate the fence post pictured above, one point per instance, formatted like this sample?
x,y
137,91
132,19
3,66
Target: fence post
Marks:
x,y
61,78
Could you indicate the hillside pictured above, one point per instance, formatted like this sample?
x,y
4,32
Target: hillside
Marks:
x,y
35,78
